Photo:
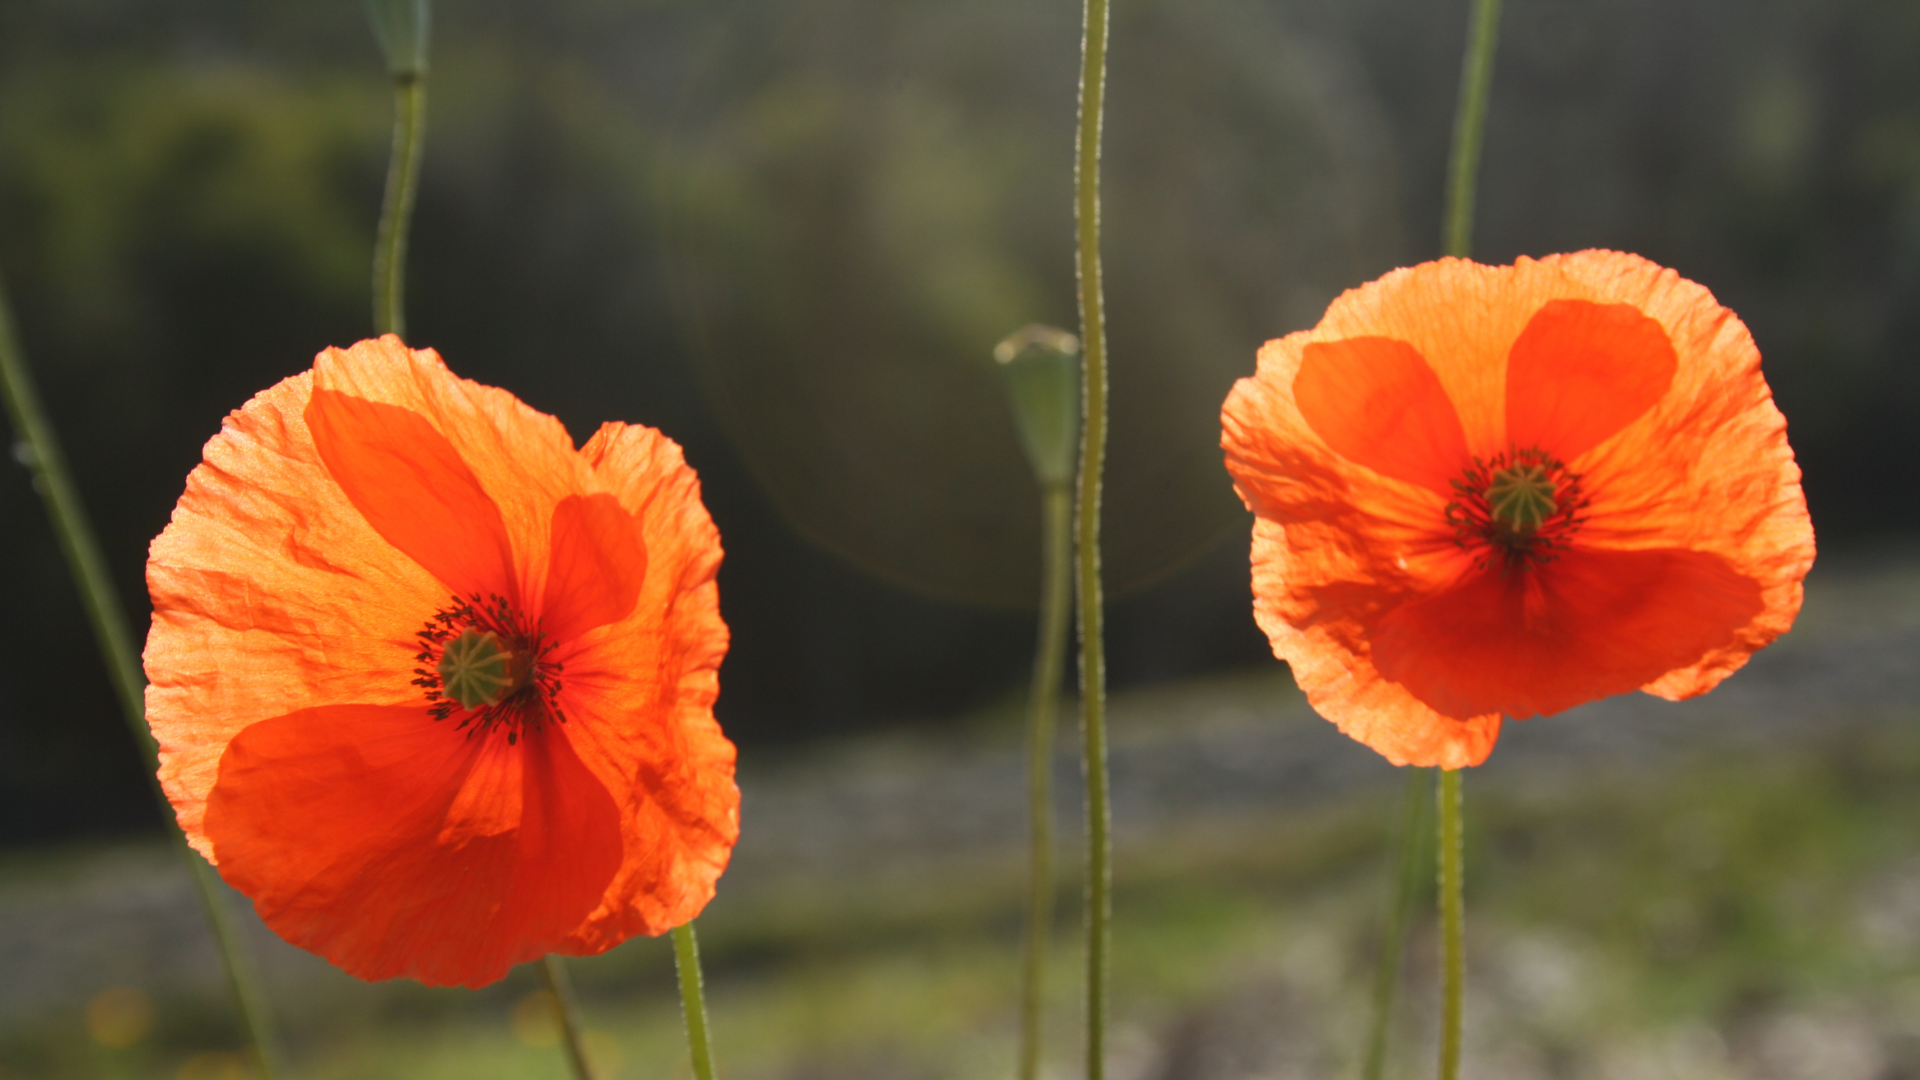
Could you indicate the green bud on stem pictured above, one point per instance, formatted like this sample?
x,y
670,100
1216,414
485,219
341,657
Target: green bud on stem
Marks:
x,y
401,27
1042,367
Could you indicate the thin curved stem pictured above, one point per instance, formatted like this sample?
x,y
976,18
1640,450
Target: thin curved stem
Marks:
x,y
566,1014
1452,923
1043,705
1093,454
1469,125
693,1002
396,210
1415,823
40,451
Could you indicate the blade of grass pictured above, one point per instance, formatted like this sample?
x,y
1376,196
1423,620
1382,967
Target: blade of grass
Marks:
x,y
41,453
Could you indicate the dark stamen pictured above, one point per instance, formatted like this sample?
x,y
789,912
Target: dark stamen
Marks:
x,y
1519,508
531,695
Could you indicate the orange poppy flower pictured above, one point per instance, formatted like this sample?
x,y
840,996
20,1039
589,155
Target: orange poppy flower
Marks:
x,y
1501,491
432,686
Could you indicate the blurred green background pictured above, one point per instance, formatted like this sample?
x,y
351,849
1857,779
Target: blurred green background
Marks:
x,y
788,234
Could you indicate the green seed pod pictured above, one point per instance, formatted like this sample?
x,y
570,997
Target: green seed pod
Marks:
x,y
401,26
476,669
1522,496
1042,368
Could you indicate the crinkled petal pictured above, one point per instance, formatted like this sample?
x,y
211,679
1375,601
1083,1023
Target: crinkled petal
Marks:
x,y
1336,545
596,568
524,459
639,697
394,845
1581,371
271,593
410,484
1376,402
1318,628
1590,624
1461,317
1706,469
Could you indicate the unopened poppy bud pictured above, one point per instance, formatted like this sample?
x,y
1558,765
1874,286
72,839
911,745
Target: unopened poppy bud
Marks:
x,y
401,27
1042,369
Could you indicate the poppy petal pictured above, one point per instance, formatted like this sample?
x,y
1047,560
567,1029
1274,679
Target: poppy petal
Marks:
x,y
394,845
524,459
1318,626
1375,401
1299,477
1581,371
1335,544
1588,625
1708,468
267,567
1460,317
639,697
596,568
409,482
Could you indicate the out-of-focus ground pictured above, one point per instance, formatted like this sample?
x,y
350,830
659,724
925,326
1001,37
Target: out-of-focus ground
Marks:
x,y
1728,887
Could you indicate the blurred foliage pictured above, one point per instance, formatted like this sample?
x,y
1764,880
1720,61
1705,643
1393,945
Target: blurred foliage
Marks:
x,y
881,193
789,233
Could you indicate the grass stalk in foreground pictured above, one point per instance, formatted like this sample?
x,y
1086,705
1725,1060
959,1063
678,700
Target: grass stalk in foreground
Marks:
x,y
1414,853
1452,923
1049,658
566,1014
396,210
40,450
1093,455
693,1001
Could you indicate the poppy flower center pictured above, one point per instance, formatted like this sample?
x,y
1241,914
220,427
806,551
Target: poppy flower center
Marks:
x,y
477,670
1518,509
480,658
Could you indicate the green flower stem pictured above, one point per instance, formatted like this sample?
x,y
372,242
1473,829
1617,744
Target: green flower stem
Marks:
x,y
1463,170
1452,918
396,210
1048,660
1093,455
1393,939
693,1003
566,1013
41,451
1469,124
